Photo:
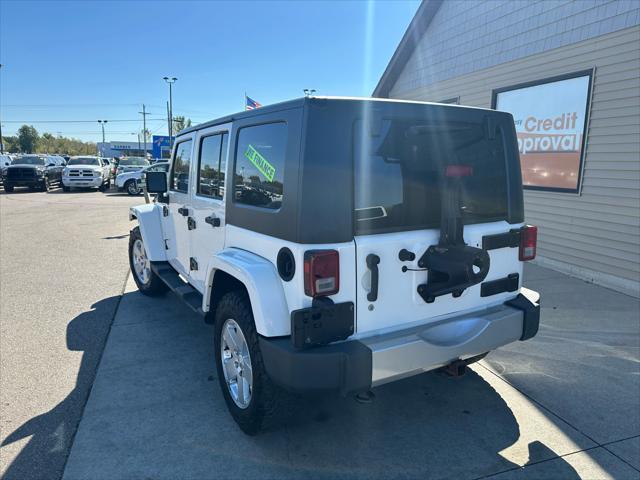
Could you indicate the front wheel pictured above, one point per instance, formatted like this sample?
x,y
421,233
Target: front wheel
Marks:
x,y
249,393
65,188
147,281
8,188
44,186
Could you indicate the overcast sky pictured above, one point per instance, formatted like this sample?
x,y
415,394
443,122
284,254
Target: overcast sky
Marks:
x,y
70,61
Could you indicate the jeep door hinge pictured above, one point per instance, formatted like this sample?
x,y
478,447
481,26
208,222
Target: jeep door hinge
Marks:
x,y
193,265
165,211
191,223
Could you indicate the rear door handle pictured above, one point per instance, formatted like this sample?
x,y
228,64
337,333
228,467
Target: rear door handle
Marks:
x,y
184,211
372,264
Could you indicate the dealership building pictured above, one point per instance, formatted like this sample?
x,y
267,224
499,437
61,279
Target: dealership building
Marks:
x,y
157,147
569,72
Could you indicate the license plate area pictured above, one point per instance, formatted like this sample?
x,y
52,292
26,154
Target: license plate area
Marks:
x,y
322,324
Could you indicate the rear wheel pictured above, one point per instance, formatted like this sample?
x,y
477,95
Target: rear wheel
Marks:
x,y
131,187
8,188
148,282
249,393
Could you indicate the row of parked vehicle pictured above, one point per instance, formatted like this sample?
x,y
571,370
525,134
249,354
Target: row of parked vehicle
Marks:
x,y
42,172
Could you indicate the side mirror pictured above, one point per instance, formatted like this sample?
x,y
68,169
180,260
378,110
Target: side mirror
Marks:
x,y
156,182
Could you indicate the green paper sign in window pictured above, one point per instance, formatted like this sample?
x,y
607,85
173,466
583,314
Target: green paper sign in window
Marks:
x,y
261,163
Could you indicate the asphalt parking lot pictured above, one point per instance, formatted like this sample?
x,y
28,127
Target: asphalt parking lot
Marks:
x,y
62,256
563,405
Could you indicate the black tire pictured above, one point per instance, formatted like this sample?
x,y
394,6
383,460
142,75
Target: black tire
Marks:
x,y
265,395
131,187
44,186
154,285
102,187
65,189
8,188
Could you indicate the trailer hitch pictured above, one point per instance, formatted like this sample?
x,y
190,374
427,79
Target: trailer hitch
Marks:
x,y
453,265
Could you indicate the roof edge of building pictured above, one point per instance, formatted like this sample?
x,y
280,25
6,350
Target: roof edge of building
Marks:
x,y
421,21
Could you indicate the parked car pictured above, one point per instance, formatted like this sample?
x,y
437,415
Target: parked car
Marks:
x,y
86,171
382,239
5,161
131,164
34,171
133,182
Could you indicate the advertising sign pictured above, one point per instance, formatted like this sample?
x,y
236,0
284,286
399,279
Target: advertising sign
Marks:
x,y
161,147
551,119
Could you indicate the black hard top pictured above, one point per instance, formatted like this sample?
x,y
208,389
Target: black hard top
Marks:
x,y
300,102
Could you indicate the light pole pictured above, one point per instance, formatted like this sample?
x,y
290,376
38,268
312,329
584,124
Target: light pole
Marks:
x,y
102,122
170,81
1,141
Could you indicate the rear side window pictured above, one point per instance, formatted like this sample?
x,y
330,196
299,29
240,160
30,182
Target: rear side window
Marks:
x,y
259,165
399,173
213,162
181,167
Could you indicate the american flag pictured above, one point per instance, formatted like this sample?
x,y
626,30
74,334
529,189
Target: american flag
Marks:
x,y
250,103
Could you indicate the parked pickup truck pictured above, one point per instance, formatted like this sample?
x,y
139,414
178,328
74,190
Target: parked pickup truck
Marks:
x,y
34,171
83,172
362,241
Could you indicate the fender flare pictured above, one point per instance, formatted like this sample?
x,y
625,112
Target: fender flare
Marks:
x,y
263,284
149,218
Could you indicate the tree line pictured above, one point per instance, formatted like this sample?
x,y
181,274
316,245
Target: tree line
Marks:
x,y
28,140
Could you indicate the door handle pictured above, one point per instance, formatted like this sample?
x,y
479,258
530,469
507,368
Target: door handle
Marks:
x,y
212,220
184,211
372,264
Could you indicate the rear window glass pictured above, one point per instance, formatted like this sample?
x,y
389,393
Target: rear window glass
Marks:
x,y
259,169
399,172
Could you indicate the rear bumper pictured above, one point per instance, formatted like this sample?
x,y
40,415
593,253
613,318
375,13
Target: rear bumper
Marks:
x,y
357,365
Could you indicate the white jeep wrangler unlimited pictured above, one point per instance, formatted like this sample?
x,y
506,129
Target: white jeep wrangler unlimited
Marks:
x,y
339,244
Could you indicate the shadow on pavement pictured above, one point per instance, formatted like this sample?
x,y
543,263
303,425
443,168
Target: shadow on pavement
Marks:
x,y
156,411
52,432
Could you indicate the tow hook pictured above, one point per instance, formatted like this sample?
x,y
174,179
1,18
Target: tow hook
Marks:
x,y
456,368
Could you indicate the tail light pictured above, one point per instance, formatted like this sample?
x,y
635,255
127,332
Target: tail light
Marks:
x,y
321,273
528,243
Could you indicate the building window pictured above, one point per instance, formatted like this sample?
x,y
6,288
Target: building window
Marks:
x,y
181,167
551,117
212,165
259,165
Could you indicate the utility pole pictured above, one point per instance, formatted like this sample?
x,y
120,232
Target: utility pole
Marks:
x,y
170,81
144,128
